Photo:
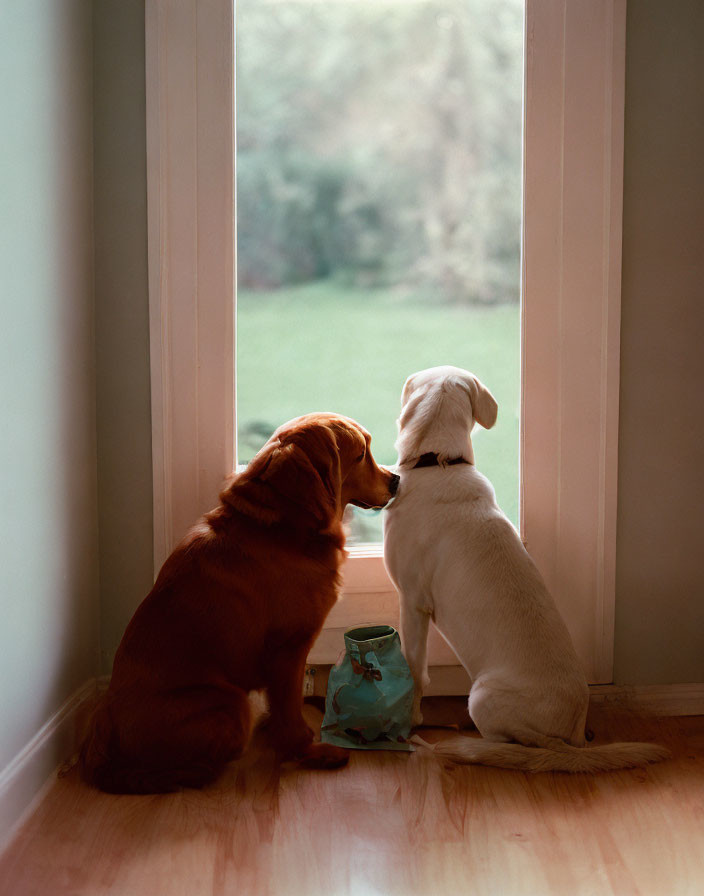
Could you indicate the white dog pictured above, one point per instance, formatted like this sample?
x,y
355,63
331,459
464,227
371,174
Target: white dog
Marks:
x,y
456,559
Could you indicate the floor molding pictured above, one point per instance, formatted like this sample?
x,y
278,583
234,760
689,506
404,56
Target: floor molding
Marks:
x,y
655,699
25,779
658,699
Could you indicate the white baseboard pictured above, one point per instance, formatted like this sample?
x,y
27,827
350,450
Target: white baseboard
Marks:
x,y
26,779
658,699
653,699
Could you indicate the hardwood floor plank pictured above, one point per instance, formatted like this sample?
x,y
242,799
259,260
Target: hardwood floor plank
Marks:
x,y
389,823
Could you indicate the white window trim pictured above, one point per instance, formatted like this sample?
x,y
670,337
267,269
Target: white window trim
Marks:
x,y
573,197
191,234
573,158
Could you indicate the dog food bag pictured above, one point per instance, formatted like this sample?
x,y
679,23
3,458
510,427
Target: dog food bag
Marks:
x,y
370,693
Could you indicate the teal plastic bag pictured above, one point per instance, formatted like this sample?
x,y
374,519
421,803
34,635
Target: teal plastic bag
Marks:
x,y
370,693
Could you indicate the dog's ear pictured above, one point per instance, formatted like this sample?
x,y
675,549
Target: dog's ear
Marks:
x,y
407,389
246,492
351,443
306,471
484,406
295,474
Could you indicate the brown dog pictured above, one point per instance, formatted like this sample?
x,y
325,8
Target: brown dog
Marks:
x,y
236,607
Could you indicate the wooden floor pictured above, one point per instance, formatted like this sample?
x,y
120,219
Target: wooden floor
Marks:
x,y
389,823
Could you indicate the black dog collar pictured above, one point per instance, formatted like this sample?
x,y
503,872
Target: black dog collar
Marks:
x,y
431,460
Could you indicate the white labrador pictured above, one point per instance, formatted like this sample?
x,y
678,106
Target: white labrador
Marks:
x,y
456,559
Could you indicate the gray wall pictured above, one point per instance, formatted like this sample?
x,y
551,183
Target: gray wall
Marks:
x,y
48,492
660,561
122,317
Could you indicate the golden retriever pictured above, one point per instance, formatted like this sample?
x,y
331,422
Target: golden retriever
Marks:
x,y
235,608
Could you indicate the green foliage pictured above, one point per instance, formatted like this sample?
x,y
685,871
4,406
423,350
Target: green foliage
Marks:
x,y
379,143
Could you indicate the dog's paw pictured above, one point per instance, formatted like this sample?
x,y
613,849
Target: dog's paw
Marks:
x,y
324,756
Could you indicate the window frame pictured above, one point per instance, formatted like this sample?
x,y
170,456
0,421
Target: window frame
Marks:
x,y
190,95
575,53
571,275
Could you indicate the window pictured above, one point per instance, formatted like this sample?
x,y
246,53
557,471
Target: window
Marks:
x,y
379,214
573,151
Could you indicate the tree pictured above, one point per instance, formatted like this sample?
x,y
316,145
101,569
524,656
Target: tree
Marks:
x,y
381,141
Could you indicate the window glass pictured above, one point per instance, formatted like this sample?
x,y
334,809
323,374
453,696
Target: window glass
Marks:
x,y
378,212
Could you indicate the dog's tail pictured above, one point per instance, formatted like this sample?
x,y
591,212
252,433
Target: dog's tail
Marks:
x,y
555,756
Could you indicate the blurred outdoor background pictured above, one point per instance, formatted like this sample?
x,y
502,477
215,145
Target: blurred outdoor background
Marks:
x,y
378,214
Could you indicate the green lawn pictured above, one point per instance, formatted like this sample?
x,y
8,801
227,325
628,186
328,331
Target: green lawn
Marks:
x,y
327,347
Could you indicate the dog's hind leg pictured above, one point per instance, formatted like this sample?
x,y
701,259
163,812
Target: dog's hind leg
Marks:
x,y
494,710
185,741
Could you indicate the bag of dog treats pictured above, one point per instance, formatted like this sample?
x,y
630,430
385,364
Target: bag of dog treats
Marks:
x,y
370,693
